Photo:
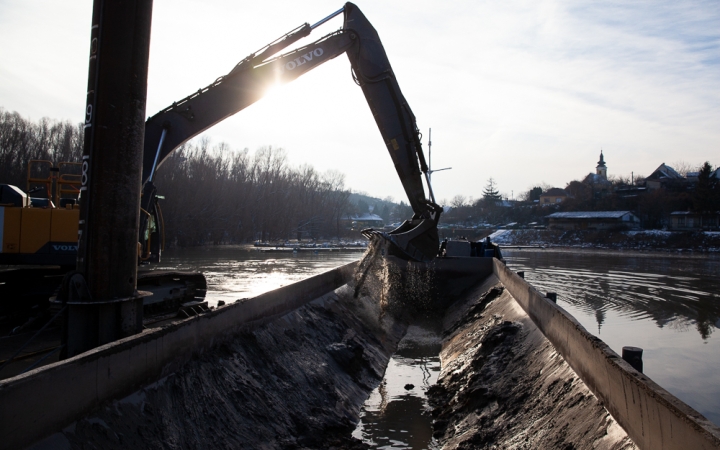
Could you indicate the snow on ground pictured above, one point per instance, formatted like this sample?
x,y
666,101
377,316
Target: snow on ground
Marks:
x,y
501,237
659,233
636,239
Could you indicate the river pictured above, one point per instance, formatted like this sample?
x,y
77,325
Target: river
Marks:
x,y
667,304
241,271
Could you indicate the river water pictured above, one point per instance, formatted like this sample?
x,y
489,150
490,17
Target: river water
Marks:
x,y
667,304
241,271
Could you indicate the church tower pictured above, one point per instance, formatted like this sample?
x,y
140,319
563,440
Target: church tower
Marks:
x,y
601,170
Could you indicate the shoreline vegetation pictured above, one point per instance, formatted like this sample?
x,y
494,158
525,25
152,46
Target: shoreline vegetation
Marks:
x,y
642,242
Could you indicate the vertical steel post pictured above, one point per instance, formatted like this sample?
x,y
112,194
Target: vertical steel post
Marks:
x,y
103,304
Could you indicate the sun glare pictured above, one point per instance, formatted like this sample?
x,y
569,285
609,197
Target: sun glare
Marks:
x,y
272,90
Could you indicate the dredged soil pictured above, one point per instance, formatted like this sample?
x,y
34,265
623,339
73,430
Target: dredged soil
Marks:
x,y
296,382
503,385
300,381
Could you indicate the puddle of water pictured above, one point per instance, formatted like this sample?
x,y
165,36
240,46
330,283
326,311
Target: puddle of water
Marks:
x,y
397,415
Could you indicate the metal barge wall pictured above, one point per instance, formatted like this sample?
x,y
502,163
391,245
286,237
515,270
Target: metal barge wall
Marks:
x,y
652,417
45,400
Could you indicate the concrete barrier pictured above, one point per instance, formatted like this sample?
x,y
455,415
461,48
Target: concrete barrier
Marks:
x,y
45,400
652,417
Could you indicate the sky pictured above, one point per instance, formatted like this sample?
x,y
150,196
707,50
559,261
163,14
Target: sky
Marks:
x,y
525,92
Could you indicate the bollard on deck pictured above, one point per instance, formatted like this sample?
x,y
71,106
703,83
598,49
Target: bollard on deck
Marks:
x,y
633,355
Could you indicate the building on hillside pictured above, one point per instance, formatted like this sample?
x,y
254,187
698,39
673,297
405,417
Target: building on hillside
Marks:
x,y
601,168
598,181
553,196
361,221
664,176
593,220
692,177
693,221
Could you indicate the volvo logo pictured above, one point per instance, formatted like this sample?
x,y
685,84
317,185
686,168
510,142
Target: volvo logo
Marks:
x,y
291,65
65,248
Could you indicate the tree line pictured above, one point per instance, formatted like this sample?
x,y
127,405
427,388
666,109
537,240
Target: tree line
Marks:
x,y
217,195
22,140
212,194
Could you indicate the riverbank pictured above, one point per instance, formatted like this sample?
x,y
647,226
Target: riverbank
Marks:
x,y
654,240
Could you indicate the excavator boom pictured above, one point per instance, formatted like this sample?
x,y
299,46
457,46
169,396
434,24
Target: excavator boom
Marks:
x,y
243,86
250,79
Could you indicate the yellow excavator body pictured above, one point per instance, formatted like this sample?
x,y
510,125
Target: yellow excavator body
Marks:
x,y
33,230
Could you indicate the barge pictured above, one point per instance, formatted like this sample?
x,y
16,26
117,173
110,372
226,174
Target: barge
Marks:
x,y
292,368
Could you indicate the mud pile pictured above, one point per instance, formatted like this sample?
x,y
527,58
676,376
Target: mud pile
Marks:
x,y
403,290
300,380
296,382
503,385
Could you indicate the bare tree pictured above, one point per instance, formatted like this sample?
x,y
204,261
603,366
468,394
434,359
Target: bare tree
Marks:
x,y
458,201
683,167
212,193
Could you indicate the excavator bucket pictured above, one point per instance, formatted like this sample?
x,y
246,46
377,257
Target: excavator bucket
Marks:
x,y
415,239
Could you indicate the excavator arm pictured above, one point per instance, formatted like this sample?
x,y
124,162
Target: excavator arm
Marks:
x,y
248,81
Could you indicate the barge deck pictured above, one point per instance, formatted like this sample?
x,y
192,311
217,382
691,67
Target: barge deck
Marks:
x,y
292,368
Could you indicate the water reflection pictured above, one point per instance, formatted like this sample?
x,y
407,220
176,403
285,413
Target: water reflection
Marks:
x,y
396,415
235,271
667,304
675,292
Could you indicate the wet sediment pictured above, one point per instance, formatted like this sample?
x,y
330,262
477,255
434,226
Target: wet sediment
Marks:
x,y
503,385
296,382
299,381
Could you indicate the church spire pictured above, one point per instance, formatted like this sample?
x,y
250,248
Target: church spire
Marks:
x,y
601,169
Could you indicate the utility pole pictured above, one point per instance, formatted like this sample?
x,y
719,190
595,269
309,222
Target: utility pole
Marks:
x,y
101,297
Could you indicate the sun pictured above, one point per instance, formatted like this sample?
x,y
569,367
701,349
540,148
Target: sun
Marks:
x,y
273,90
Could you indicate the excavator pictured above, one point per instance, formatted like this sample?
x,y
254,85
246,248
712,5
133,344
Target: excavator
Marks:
x,y
26,241
36,232
417,238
